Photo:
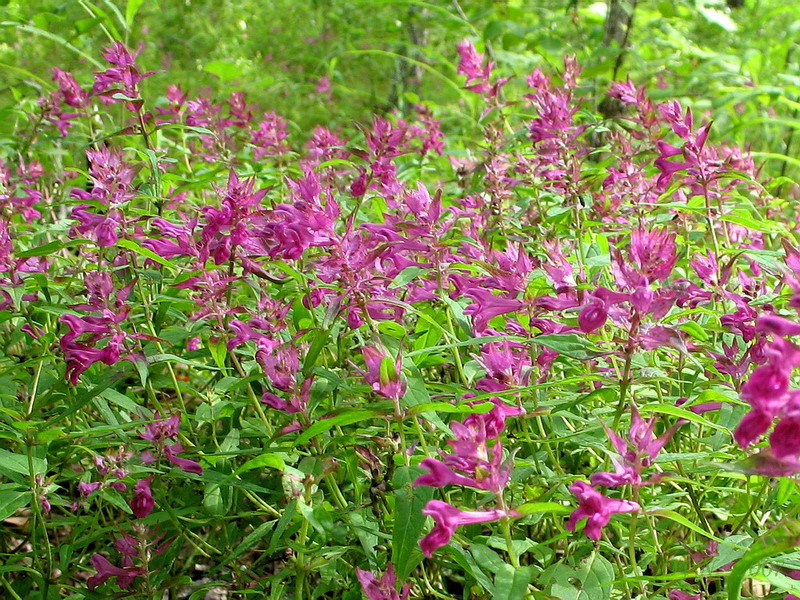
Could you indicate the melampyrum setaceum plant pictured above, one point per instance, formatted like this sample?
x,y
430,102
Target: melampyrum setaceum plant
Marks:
x,y
243,359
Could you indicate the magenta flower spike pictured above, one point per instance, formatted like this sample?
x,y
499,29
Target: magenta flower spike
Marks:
x,y
121,78
448,518
637,452
596,508
471,64
72,92
654,252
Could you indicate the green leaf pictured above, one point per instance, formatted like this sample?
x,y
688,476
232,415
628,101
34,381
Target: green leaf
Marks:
x,y
12,501
532,508
271,460
406,276
694,330
681,413
219,352
249,541
321,338
226,71
51,248
366,528
673,516
778,541
511,583
131,245
408,520
446,407
784,582
590,580
568,344
159,358
346,417
56,38
212,500
113,497
130,11
18,463
471,566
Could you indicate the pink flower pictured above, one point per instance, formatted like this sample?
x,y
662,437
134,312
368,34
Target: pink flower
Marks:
x,y
637,452
471,64
189,466
142,503
161,429
592,316
507,364
777,325
681,595
269,139
122,78
383,588
766,387
73,94
480,460
158,432
382,374
323,85
653,252
785,438
105,570
440,475
705,265
752,426
230,226
596,508
87,489
448,518
486,306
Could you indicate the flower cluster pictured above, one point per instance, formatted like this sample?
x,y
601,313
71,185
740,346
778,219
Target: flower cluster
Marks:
x,y
313,309
476,461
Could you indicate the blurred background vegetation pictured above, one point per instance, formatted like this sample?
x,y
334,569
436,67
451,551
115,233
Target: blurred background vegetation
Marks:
x,y
334,62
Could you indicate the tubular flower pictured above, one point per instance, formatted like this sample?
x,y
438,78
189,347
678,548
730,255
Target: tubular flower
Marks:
x,y
448,518
158,432
637,452
596,508
486,306
142,503
383,588
105,570
382,374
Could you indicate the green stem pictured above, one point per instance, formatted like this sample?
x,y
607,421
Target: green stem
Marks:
x,y
753,502
505,524
623,388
